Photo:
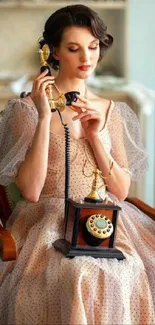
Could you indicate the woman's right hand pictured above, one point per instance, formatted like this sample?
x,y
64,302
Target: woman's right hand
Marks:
x,y
39,95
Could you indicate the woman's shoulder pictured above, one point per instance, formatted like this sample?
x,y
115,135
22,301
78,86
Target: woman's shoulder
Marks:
x,y
97,98
20,105
19,110
114,111
21,102
117,108
107,102
103,104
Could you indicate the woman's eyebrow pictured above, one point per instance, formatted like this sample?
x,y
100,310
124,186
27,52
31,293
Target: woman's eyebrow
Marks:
x,y
74,43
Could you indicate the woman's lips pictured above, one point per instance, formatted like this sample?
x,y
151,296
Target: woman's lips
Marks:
x,y
84,67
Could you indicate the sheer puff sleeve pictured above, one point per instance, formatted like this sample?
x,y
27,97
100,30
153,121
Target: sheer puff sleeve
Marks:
x,y
17,127
126,141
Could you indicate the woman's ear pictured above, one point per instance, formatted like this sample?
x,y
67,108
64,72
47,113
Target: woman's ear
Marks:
x,y
56,53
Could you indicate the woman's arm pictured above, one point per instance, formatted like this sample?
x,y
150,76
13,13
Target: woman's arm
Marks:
x,y
92,122
32,173
118,182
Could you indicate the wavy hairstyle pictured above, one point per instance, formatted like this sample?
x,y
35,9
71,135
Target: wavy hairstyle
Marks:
x,y
74,15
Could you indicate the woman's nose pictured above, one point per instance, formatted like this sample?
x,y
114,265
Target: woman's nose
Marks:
x,y
85,56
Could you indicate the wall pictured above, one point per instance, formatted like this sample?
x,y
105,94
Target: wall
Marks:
x,y
142,41
142,69
150,175
20,30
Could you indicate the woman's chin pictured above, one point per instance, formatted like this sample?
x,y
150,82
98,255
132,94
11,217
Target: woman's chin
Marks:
x,y
84,74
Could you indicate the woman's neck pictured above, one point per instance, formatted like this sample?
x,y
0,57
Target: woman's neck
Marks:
x,y
66,84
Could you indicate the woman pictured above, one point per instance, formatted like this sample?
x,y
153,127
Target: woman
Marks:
x,y
42,286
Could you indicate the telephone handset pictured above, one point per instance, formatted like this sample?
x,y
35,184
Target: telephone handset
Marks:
x,y
63,99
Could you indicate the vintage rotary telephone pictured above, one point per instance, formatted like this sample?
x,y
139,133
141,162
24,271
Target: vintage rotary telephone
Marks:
x,y
63,99
89,223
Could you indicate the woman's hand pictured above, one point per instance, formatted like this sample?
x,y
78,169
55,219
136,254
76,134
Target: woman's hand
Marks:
x,y
39,93
91,119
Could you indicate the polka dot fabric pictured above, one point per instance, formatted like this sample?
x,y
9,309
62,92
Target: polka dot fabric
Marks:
x,y
42,287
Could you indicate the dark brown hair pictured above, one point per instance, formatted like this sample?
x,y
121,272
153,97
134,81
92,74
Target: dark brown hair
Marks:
x,y
74,15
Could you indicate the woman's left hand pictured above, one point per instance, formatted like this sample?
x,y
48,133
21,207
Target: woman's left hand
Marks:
x,y
91,118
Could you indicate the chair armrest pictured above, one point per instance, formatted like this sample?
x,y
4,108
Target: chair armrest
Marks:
x,y
5,210
7,245
145,208
9,196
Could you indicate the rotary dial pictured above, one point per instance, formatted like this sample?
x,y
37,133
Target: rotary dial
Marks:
x,y
99,226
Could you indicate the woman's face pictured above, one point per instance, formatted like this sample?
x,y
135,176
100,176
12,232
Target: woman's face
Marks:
x,y
78,52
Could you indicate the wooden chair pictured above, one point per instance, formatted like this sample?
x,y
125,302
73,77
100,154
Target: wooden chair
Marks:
x,y
9,196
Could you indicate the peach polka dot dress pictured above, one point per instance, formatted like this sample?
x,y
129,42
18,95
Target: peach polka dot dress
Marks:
x,y
43,287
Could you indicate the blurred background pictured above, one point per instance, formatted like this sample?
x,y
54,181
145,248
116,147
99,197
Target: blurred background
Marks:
x,y
127,73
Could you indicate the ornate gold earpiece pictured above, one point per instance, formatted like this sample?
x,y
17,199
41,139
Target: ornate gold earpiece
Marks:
x,y
60,102
44,55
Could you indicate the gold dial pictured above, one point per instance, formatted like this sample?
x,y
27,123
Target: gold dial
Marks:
x,y
99,226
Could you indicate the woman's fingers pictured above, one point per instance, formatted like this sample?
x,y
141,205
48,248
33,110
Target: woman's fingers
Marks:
x,y
77,109
44,85
84,106
77,117
42,74
80,116
90,117
83,99
39,82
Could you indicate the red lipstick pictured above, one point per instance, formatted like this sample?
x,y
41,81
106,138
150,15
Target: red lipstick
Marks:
x,y
84,67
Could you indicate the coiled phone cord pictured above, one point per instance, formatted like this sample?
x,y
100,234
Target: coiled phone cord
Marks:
x,y
67,156
67,169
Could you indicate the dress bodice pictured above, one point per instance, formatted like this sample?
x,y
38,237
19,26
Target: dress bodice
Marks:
x,y
82,164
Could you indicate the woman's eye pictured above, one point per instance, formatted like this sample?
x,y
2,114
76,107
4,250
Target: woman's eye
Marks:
x,y
73,50
94,48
